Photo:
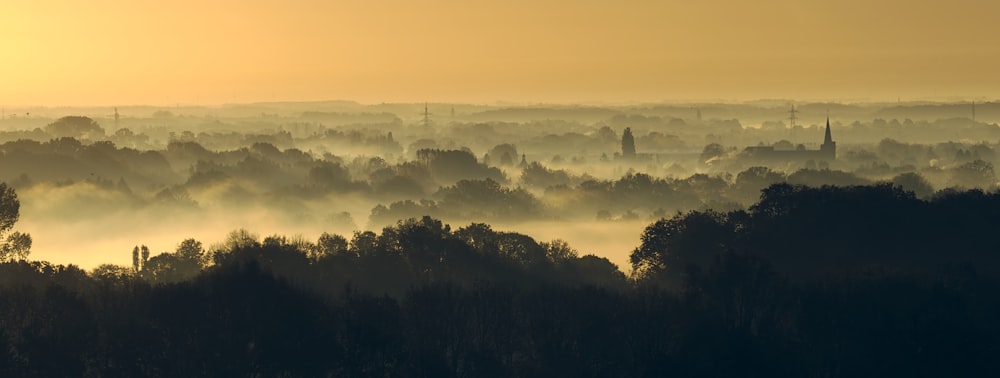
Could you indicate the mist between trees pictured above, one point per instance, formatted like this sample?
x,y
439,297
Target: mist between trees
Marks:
x,y
292,169
879,262
775,289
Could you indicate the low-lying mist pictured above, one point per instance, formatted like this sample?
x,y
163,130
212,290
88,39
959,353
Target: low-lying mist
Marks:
x,y
82,224
91,189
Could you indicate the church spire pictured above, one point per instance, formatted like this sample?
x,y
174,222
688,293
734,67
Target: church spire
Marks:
x,y
829,147
827,139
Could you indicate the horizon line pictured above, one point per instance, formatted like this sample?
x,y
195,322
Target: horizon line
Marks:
x,y
524,103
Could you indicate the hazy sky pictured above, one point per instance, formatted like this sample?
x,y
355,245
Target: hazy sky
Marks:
x,y
104,52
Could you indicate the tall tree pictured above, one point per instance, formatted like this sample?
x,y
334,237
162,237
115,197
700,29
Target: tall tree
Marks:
x,y
10,207
135,259
628,143
17,245
145,254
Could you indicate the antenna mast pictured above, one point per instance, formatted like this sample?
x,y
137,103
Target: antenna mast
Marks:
x,y
427,117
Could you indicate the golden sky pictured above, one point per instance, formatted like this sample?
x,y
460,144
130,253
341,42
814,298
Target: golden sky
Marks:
x,y
103,52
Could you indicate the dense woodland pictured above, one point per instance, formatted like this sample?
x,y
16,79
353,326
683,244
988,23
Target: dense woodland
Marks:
x,y
881,263
831,281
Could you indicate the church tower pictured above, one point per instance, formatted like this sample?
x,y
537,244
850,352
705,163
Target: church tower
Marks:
x,y
829,147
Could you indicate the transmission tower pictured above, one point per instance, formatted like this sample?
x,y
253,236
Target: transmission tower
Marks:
x,y
427,117
116,119
792,117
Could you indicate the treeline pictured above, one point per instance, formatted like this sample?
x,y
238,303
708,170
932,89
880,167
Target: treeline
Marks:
x,y
450,184
808,232
851,281
410,253
239,320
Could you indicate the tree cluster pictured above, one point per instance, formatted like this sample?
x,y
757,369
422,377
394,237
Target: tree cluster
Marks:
x,y
855,281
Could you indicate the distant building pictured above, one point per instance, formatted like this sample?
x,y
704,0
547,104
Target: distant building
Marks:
x,y
629,155
827,151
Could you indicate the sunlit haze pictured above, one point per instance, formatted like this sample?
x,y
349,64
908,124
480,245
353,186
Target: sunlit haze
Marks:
x,y
468,188
104,52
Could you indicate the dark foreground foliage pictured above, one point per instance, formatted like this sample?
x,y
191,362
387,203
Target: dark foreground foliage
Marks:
x,y
240,320
711,299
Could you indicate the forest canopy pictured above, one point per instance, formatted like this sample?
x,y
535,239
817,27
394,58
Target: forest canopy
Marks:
x,y
421,297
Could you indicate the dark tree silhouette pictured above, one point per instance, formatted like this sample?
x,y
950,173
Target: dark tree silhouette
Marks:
x,y
538,176
78,127
505,152
136,267
16,245
330,245
712,150
628,144
974,174
669,246
750,182
914,182
10,207
449,166
419,299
